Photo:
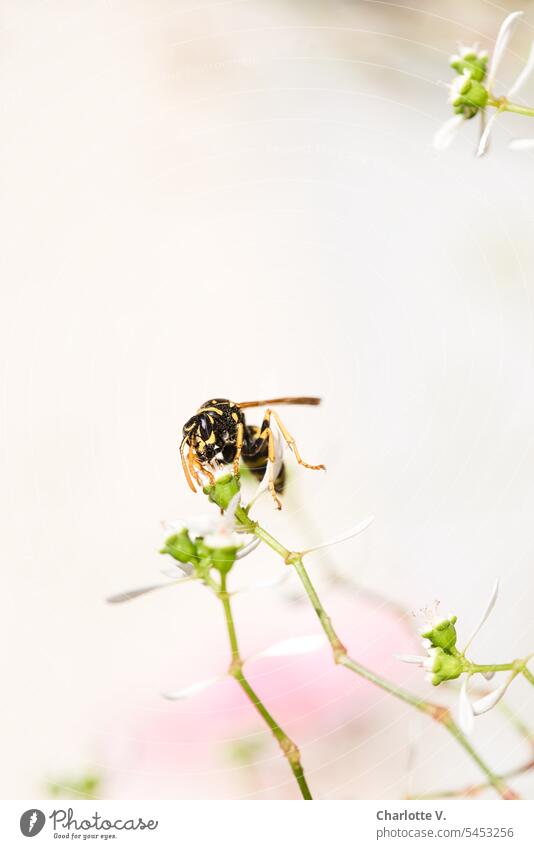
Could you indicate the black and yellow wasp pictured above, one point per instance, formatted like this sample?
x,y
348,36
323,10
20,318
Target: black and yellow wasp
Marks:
x,y
218,434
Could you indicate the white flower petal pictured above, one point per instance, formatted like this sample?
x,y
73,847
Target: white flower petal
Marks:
x,y
523,76
488,702
411,658
485,134
205,524
223,539
501,43
192,689
131,594
448,132
489,607
429,661
201,526
358,529
178,570
198,526
469,49
431,619
248,548
521,144
294,646
227,520
466,718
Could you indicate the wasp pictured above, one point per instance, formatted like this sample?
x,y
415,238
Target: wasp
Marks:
x,y
218,434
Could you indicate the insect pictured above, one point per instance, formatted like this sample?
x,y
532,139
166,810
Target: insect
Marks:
x,y
218,434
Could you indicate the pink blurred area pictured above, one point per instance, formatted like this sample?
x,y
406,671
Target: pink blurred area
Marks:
x,y
215,745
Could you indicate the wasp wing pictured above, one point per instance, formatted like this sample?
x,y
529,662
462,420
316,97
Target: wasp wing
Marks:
x,y
291,399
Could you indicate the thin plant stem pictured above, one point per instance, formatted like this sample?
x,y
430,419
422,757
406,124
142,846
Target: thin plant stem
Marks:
x,y
504,105
288,747
472,790
528,675
491,667
437,712
520,726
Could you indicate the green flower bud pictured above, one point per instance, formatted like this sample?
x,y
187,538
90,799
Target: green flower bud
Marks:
x,y
443,635
468,96
223,559
223,490
181,547
475,63
443,666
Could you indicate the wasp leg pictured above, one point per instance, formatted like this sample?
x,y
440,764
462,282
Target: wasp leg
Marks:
x,y
257,440
238,446
290,441
192,462
186,466
204,471
272,457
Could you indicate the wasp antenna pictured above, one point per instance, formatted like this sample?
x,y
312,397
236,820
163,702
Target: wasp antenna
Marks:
x,y
185,465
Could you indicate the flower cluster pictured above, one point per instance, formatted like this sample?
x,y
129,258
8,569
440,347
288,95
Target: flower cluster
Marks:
x,y
202,543
467,92
445,662
471,92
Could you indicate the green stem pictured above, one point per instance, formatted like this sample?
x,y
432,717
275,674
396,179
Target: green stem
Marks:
x,y
437,712
521,727
288,747
496,781
474,789
504,105
528,675
491,667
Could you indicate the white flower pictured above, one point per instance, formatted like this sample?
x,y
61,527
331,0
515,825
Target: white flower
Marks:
x,y
218,531
426,662
119,598
431,618
287,648
489,607
192,689
293,646
469,50
353,532
448,131
445,664
467,710
521,144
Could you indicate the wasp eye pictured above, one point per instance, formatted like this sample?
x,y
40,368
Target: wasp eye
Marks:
x,y
189,426
204,427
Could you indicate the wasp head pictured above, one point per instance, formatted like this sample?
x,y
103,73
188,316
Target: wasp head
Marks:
x,y
200,436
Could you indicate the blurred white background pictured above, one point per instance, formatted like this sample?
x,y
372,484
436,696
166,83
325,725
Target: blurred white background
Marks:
x,y
241,199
